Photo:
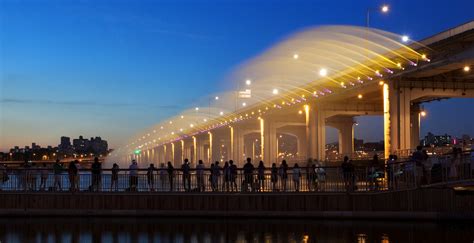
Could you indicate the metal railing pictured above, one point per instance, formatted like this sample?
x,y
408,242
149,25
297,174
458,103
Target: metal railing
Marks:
x,y
392,176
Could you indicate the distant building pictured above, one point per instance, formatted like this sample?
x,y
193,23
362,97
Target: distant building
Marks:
x,y
436,140
65,147
94,145
79,148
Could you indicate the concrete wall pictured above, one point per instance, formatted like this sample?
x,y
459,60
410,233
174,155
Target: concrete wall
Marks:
x,y
414,204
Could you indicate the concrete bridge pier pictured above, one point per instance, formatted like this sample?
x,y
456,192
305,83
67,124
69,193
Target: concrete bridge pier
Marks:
x,y
268,141
316,132
345,127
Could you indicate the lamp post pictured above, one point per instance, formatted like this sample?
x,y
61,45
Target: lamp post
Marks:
x,y
384,9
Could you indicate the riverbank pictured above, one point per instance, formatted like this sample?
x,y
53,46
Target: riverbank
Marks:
x,y
419,204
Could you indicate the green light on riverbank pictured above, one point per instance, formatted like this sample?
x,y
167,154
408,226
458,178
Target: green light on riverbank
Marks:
x,y
138,151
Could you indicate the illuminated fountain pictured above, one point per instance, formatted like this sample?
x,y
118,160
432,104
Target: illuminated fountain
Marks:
x,y
311,64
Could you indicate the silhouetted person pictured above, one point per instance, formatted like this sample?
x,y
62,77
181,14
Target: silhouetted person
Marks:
x,y
274,177
215,174
418,158
150,174
248,174
233,175
58,170
44,177
283,170
3,175
170,170
72,172
186,175
261,176
374,171
200,176
312,177
348,173
321,176
227,175
114,178
296,172
96,170
133,169
309,178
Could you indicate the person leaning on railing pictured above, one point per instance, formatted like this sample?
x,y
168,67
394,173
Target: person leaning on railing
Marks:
x,y
114,179
348,173
58,170
233,175
248,174
170,170
150,174
3,176
186,175
96,170
133,169
200,176
274,177
283,171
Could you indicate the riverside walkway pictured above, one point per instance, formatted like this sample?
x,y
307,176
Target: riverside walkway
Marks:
x,y
400,191
406,175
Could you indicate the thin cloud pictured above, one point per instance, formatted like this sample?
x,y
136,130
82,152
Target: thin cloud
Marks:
x,y
82,103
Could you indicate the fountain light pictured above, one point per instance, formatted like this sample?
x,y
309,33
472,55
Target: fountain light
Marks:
x,y
323,72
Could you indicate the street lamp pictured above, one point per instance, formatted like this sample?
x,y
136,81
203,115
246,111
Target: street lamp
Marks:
x,y
405,38
384,9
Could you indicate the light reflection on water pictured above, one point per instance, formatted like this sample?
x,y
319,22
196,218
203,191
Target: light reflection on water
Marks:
x,y
118,230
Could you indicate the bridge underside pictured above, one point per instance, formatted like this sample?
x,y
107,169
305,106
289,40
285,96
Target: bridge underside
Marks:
x,y
396,97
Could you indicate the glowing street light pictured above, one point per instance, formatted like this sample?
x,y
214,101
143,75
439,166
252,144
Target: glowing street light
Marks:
x,y
295,56
467,68
359,96
423,113
248,82
384,9
197,108
275,91
244,104
405,38
216,98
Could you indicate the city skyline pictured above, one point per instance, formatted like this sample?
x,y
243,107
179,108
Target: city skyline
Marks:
x,y
54,86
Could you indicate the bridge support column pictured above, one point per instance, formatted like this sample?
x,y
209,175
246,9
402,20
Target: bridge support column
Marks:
x,y
201,152
415,125
238,146
316,133
268,141
401,120
345,127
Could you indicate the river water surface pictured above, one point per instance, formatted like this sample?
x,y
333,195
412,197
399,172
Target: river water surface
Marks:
x,y
145,230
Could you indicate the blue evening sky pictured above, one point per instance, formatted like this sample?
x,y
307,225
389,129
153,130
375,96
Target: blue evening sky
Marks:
x,y
112,68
